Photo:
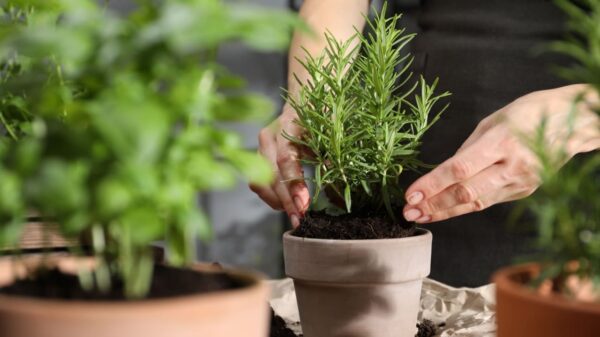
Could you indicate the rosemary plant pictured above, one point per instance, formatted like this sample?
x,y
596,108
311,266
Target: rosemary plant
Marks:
x,y
363,120
566,207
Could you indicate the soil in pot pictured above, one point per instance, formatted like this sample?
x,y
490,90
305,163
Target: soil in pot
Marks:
x,y
166,282
361,226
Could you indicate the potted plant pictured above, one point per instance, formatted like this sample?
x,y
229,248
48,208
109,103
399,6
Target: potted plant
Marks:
x,y
357,267
112,124
558,294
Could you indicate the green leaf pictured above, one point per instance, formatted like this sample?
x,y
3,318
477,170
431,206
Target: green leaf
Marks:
x,y
366,187
11,230
27,156
348,198
251,165
207,173
10,193
242,107
266,30
113,196
144,223
59,187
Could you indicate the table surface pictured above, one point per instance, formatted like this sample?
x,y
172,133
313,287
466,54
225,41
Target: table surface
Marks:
x,y
37,235
466,312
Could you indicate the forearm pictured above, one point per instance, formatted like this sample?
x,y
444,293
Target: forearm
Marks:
x,y
339,17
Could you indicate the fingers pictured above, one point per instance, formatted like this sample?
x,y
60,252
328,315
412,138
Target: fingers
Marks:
x,y
467,192
268,196
289,191
268,149
499,183
288,163
462,209
508,193
464,165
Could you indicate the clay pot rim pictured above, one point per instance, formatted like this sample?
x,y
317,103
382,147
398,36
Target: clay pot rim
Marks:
x,y
420,235
505,283
42,305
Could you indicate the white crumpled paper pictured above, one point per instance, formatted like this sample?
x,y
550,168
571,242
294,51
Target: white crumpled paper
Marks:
x,y
467,312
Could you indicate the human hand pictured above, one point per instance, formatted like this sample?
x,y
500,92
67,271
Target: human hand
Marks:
x,y
494,165
289,191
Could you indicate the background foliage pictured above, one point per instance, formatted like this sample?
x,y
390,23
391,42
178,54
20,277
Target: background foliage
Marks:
x,y
112,122
566,206
362,116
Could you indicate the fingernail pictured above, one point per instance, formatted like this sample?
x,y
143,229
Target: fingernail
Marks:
x,y
299,204
423,219
295,220
415,198
412,214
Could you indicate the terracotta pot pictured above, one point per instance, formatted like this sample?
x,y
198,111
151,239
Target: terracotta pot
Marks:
x,y
358,288
238,312
522,311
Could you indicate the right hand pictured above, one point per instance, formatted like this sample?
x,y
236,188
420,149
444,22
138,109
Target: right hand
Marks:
x,y
289,191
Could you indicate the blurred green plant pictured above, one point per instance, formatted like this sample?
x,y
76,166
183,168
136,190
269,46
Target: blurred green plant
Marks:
x,y
112,123
566,207
363,122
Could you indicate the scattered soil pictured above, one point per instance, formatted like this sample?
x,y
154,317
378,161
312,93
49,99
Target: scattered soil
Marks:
x,y
278,327
428,329
167,282
319,225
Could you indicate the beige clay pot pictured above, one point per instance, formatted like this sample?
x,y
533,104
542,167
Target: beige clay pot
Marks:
x,y
238,312
525,312
358,288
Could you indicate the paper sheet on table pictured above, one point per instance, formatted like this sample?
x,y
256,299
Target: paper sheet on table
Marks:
x,y
467,312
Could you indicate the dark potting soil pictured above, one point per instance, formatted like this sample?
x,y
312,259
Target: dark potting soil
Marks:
x,y
319,225
278,327
167,282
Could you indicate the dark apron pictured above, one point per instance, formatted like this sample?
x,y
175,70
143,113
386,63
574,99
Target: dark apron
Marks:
x,y
483,51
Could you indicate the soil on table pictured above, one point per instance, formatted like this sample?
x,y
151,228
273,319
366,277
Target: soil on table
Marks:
x,y
166,282
279,328
319,225
428,329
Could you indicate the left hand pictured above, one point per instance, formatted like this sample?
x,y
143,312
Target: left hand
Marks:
x,y
494,165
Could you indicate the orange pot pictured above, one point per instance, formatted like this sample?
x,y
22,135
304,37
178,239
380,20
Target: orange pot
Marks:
x,y
238,312
524,312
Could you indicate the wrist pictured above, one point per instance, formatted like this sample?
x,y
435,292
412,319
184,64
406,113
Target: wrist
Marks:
x,y
584,103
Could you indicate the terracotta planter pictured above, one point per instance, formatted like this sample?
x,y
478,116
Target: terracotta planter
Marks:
x,y
238,312
521,311
358,288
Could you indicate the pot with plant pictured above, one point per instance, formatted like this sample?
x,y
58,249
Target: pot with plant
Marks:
x,y
559,293
357,268
111,127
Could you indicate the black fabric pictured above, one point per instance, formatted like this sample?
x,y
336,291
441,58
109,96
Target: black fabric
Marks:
x,y
484,52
